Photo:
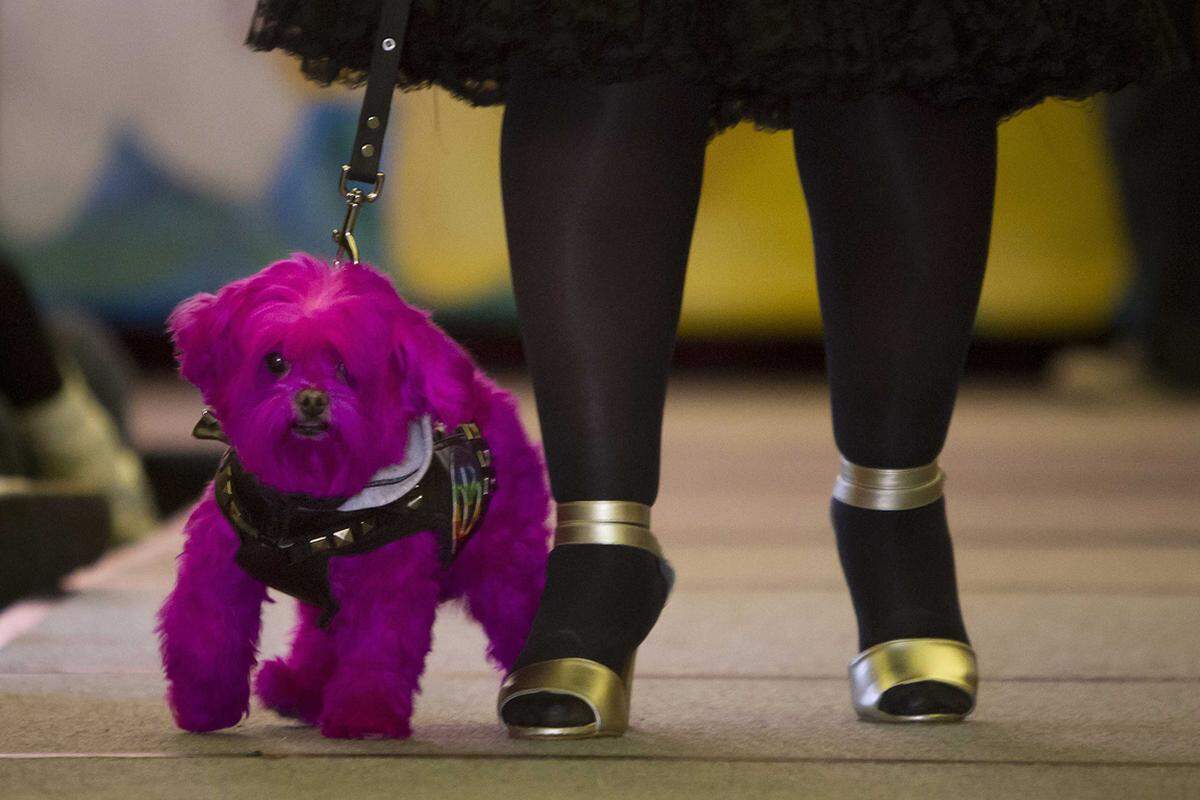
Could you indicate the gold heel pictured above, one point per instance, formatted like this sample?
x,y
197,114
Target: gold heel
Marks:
x,y
604,691
901,661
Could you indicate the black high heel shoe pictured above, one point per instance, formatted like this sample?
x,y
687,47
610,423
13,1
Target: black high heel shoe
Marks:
x,y
586,697
910,679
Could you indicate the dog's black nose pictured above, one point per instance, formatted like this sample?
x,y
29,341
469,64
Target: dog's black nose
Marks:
x,y
312,402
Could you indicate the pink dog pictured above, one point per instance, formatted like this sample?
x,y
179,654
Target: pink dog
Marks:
x,y
326,385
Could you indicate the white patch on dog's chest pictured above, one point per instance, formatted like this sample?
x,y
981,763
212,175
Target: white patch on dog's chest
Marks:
x,y
392,483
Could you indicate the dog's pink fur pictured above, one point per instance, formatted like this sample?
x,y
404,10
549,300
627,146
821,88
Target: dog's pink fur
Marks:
x,y
356,678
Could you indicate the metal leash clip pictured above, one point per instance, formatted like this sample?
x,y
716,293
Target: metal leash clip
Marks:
x,y
343,237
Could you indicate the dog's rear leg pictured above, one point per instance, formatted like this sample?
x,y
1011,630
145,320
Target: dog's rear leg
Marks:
x,y
293,686
209,627
382,632
500,575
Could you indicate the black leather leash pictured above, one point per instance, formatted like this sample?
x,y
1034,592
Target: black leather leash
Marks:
x,y
372,122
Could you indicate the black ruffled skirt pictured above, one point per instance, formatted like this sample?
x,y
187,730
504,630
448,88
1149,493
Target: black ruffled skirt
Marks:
x,y
760,55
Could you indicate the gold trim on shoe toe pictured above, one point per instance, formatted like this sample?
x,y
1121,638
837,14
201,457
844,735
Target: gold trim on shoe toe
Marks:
x,y
900,661
605,692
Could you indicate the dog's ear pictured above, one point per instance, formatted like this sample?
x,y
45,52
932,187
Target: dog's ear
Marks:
x,y
196,331
439,377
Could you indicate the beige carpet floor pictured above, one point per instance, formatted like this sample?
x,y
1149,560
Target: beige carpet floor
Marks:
x,y
1078,543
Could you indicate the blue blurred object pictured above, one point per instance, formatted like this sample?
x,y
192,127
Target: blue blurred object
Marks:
x,y
144,239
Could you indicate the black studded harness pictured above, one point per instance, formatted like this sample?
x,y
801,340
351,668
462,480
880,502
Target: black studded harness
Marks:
x,y
288,538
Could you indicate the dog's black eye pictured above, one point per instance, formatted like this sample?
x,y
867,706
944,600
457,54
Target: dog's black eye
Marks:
x,y
276,363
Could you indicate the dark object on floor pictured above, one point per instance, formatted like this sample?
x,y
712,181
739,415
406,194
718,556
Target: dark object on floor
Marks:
x,y
63,387
12,460
46,531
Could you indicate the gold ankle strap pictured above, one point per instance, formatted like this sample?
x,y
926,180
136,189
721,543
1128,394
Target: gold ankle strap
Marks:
x,y
888,489
606,522
625,511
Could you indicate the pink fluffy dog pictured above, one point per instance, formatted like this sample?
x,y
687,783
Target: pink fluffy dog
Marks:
x,y
346,332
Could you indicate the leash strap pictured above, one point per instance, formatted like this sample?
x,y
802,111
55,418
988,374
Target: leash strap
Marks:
x,y
381,85
386,49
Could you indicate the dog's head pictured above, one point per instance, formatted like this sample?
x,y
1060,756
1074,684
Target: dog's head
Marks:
x,y
314,371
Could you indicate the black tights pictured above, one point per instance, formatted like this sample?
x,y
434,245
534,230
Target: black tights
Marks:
x,y
600,188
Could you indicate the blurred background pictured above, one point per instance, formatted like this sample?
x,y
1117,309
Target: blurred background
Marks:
x,y
150,164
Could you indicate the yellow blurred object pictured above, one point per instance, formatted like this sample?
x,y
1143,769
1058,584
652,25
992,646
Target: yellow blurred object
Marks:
x,y
73,438
1057,260
448,223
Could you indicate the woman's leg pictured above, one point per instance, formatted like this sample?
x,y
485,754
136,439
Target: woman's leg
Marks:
x,y
600,185
900,195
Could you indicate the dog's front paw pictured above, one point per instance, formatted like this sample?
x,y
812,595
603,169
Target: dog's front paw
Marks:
x,y
367,707
201,711
287,693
